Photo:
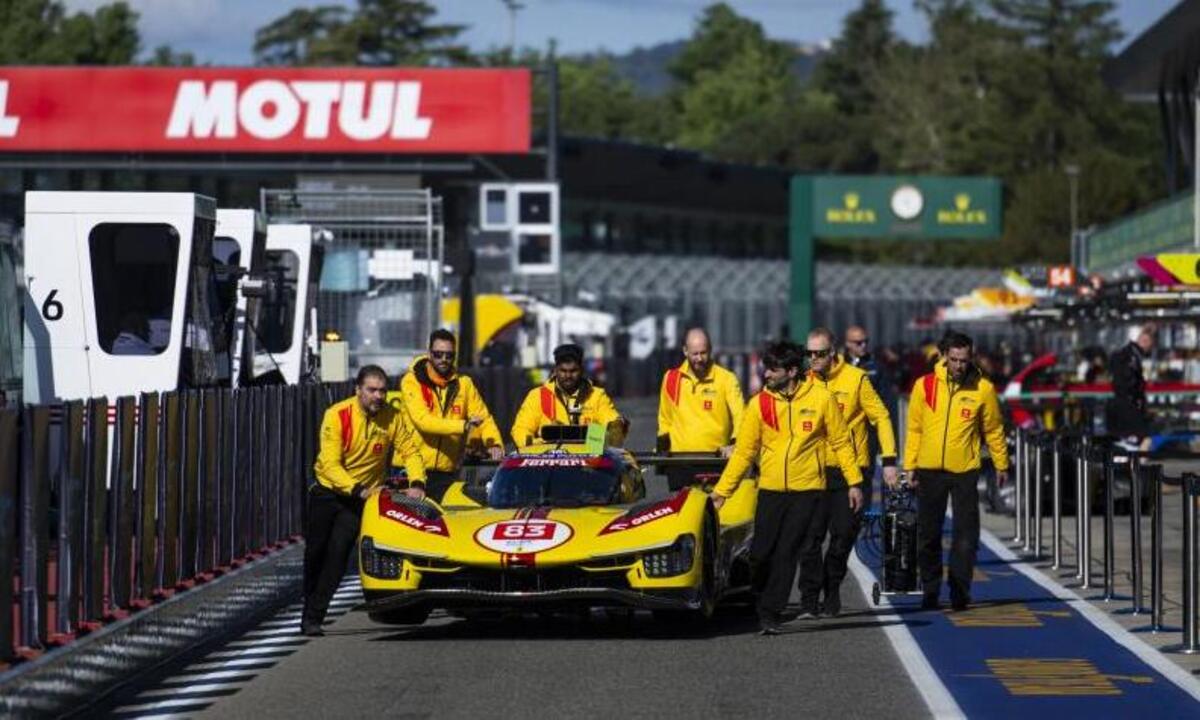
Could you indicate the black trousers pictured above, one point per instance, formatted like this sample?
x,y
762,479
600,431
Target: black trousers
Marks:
x,y
333,522
842,524
437,482
933,488
783,527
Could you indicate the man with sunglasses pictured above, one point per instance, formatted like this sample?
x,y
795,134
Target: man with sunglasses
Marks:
x,y
858,353
448,413
860,406
699,407
567,398
790,428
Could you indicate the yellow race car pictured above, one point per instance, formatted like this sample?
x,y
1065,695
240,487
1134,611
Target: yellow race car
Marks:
x,y
563,523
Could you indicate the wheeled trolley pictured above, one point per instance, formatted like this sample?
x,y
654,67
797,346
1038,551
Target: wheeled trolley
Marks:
x,y
891,538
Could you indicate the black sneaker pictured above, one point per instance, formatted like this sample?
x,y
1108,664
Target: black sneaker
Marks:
x,y
929,602
833,604
960,603
769,623
311,630
808,610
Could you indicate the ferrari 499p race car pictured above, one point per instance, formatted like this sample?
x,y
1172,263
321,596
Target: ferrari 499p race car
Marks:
x,y
562,523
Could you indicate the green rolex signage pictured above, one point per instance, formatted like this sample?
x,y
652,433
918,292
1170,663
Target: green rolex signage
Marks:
x,y
896,207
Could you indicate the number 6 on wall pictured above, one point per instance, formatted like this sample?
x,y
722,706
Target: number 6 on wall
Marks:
x,y
52,309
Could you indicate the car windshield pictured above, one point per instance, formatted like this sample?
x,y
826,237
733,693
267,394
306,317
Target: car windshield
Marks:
x,y
555,482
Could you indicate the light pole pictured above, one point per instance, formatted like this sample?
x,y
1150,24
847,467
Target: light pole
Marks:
x,y
513,8
1072,171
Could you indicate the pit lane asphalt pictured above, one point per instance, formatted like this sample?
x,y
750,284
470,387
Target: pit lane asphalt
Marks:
x,y
595,666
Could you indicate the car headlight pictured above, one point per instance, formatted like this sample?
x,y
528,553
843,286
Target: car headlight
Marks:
x,y
379,563
674,560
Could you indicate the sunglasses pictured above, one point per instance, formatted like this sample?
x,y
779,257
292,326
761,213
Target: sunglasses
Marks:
x,y
817,353
857,342
441,354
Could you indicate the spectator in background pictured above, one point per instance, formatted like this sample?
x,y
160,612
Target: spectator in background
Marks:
x,y
1126,412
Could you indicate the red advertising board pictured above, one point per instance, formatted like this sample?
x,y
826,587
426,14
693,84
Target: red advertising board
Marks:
x,y
312,110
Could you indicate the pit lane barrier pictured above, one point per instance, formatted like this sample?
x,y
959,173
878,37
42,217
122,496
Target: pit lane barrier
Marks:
x,y
1101,457
196,484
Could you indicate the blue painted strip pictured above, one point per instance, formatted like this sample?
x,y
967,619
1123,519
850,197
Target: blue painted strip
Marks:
x,y
1066,667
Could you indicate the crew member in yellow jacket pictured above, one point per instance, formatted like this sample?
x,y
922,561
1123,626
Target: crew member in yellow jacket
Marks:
x,y
699,407
448,414
860,405
950,411
787,428
358,436
567,398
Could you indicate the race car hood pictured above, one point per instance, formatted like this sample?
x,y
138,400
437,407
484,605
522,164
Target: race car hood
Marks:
x,y
489,537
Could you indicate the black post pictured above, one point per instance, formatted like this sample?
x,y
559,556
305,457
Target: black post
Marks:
x,y
70,514
120,537
148,484
96,509
10,454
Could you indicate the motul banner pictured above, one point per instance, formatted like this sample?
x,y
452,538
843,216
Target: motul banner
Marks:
x,y
394,110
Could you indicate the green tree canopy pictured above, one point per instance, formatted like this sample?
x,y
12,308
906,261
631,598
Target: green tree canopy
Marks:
x,y
41,32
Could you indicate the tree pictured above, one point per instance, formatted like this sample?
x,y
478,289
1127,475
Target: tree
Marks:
x,y
40,32
382,33
850,73
164,56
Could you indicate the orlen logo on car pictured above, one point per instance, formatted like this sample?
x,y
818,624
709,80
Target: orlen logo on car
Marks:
x,y
396,512
523,536
272,109
630,520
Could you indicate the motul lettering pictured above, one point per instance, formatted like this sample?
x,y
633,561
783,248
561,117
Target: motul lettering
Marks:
x,y
8,124
271,109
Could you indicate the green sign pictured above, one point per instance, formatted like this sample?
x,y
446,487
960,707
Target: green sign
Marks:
x,y
849,206
1167,225
905,207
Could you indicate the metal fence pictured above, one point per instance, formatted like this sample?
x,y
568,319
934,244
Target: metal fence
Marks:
x,y
195,482
382,275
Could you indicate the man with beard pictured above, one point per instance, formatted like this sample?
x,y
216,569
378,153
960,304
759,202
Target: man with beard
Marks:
x,y
860,406
788,428
951,410
567,398
446,409
357,437
699,407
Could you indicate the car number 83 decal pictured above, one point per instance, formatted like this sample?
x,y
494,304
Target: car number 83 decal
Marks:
x,y
523,536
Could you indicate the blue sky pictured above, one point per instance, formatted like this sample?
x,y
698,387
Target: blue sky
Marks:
x,y
222,31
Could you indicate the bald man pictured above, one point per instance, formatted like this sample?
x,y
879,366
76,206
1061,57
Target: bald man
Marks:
x,y
699,408
857,346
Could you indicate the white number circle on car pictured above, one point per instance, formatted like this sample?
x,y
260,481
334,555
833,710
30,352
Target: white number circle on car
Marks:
x,y
523,536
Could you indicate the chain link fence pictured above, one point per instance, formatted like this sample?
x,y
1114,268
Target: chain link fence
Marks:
x,y
382,274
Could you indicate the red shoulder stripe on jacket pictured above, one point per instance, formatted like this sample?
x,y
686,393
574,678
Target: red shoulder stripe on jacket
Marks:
x,y
548,403
766,405
428,397
931,386
346,416
674,378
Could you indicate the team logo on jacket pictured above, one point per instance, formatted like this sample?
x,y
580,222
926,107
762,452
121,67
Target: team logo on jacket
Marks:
x,y
965,413
377,448
806,426
523,536
708,404
456,410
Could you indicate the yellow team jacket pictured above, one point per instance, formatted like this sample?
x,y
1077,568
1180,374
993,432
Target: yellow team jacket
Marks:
x,y
860,404
439,415
355,447
699,415
546,405
787,435
946,419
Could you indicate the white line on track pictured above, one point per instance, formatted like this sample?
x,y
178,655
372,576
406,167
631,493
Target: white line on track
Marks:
x,y
193,689
166,704
280,642
939,700
1134,644
245,652
214,675
274,632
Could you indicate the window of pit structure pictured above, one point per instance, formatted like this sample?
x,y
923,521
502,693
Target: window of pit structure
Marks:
x,y
134,268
